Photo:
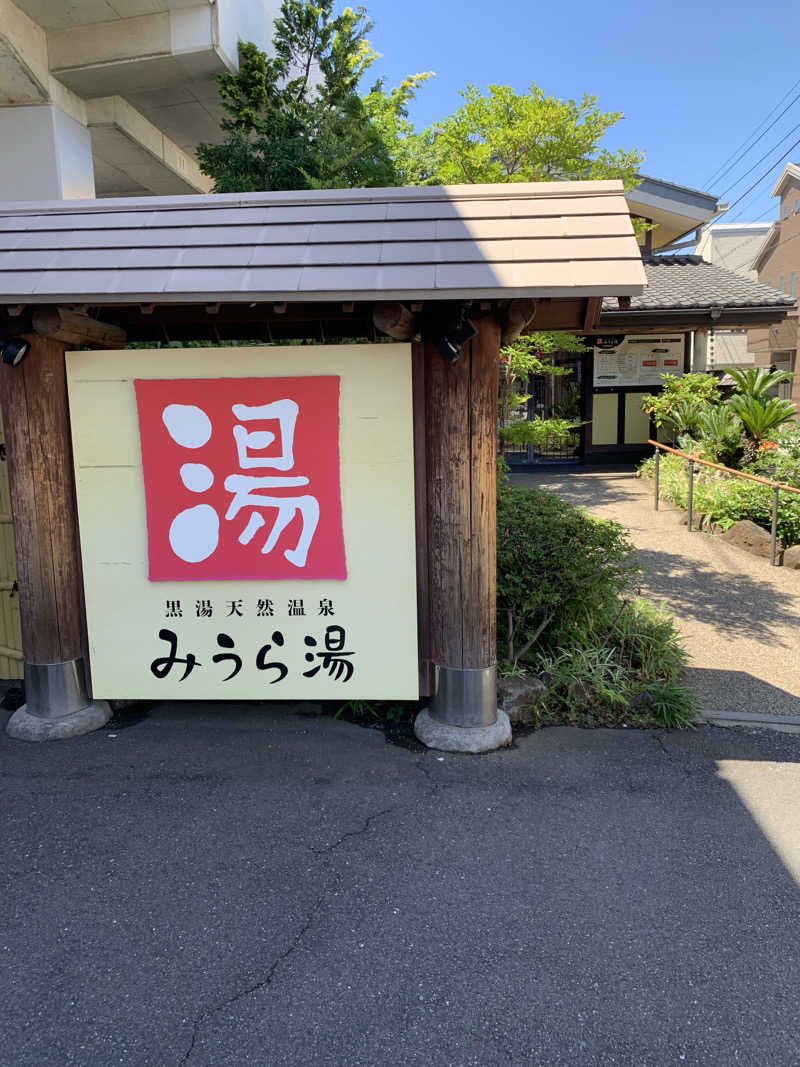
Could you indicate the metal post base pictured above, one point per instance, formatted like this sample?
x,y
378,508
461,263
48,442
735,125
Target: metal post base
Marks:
x,y
57,704
465,697
463,714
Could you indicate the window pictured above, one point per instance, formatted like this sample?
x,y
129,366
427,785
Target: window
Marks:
x,y
793,284
796,206
786,211
782,284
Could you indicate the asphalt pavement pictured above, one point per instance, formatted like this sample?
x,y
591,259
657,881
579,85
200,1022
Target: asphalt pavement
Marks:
x,y
235,885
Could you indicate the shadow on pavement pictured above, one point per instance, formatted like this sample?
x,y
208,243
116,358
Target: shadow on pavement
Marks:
x,y
726,690
732,603
583,486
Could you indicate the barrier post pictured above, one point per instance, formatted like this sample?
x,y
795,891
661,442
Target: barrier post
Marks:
x,y
658,464
773,548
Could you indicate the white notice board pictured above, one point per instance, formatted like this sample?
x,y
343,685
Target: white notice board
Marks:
x,y
637,360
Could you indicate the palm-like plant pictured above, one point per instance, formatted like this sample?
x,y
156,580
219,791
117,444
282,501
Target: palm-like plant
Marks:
x,y
685,415
760,416
758,382
722,432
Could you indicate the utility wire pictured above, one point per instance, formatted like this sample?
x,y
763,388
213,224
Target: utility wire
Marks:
x,y
714,176
739,158
758,162
758,181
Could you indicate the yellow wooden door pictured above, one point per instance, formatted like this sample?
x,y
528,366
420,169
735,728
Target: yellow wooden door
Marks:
x,y
10,634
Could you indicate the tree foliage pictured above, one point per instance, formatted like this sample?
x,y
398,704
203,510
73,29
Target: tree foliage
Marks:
x,y
297,120
681,401
527,356
507,136
300,118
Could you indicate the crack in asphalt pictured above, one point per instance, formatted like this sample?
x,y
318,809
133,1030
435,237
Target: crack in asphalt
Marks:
x,y
266,980
671,759
659,739
354,833
262,983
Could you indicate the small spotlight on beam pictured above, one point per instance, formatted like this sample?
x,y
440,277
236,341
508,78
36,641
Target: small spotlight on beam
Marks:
x,y
449,346
13,351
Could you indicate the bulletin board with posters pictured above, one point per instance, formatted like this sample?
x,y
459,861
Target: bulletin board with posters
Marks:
x,y
247,521
624,362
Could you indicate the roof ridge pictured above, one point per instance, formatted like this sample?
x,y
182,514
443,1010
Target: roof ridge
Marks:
x,y
519,191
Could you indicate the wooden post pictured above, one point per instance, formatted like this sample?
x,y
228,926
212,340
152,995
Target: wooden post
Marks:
x,y
39,452
461,460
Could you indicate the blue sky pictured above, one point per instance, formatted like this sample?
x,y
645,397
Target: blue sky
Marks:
x,y
693,79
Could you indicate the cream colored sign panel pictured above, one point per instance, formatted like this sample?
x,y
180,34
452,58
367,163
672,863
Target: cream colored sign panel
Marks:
x,y
638,360
304,586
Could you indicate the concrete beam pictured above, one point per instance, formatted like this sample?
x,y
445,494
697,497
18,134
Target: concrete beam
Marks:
x,y
109,58
24,76
61,16
131,154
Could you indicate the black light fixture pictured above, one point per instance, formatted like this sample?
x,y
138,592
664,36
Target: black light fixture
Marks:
x,y
450,343
13,350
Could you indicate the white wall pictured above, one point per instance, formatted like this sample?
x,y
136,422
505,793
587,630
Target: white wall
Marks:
x,y
250,21
733,249
47,155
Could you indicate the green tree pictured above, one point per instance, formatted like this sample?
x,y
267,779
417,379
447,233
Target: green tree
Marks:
x,y
297,120
507,136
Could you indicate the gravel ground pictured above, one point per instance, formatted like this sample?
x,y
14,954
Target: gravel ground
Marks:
x,y
225,886
738,615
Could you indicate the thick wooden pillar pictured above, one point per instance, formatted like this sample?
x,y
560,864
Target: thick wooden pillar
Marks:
x,y
461,468
39,451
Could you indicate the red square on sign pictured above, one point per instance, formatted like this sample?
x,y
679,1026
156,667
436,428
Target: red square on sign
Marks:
x,y
241,477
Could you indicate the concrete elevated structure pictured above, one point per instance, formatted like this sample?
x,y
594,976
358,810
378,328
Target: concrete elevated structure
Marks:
x,y
111,97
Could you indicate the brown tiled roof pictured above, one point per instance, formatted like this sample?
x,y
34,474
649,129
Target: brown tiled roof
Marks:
x,y
546,239
690,282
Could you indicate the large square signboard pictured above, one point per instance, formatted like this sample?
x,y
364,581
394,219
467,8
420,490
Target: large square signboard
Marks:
x,y
247,521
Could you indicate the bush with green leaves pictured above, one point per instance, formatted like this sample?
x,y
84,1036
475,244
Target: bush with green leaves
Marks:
x,y
552,433
681,402
725,498
787,440
750,500
558,568
568,606
721,435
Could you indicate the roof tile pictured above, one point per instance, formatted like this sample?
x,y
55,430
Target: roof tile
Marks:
x,y
686,281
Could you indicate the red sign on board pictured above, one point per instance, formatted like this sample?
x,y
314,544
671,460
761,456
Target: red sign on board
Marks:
x,y
241,478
